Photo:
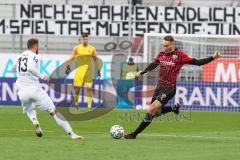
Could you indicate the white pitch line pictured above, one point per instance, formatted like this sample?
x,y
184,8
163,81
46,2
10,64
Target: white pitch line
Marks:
x,y
144,134
175,136
21,130
189,136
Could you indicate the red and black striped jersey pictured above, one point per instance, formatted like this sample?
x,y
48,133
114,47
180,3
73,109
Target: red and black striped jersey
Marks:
x,y
171,64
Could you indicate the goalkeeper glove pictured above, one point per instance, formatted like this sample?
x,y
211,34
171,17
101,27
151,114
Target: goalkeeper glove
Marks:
x,y
68,70
139,74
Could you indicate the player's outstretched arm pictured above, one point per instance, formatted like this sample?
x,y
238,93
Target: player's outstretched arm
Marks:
x,y
200,62
150,67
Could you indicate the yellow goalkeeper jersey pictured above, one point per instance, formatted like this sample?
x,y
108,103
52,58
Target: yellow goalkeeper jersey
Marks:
x,y
85,57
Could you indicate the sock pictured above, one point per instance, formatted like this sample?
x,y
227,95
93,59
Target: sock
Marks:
x,y
166,109
32,115
76,96
63,123
146,121
89,98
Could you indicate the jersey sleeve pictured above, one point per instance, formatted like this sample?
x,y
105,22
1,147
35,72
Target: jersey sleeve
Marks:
x,y
33,66
185,59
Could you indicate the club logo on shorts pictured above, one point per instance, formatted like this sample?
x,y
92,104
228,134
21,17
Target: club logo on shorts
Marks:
x,y
163,96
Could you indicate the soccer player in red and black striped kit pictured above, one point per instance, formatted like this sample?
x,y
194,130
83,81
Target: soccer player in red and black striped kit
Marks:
x,y
171,61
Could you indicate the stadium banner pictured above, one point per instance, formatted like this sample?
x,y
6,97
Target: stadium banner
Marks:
x,y
222,70
114,20
48,63
191,95
215,96
62,97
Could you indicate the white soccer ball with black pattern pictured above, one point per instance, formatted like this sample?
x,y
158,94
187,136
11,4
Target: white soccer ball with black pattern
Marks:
x,y
117,131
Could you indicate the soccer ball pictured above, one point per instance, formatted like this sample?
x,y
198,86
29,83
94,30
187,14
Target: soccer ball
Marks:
x,y
117,131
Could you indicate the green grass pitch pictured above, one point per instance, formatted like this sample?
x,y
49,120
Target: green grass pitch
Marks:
x,y
190,136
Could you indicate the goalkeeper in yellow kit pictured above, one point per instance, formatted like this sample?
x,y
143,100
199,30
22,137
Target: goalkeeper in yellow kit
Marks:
x,y
85,57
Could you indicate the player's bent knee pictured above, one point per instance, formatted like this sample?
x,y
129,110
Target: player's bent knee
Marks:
x,y
157,104
154,107
52,111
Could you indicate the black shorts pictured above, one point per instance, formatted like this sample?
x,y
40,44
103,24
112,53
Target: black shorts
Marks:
x,y
163,93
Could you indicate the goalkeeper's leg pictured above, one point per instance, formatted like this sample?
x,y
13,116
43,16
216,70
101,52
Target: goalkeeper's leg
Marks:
x,y
77,83
89,94
76,96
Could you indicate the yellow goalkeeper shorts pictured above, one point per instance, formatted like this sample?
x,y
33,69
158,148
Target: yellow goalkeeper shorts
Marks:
x,y
80,78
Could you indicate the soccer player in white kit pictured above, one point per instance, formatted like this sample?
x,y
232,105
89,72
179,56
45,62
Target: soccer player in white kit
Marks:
x,y
30,92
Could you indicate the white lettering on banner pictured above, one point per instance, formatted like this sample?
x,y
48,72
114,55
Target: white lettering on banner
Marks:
x,y
9,93
203,96
196,96
7,90
52,93
103,20
181,93
221,97
70,91
228,75
210,95
227,97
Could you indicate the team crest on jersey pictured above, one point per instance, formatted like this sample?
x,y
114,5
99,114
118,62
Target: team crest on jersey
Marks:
x,y
174,57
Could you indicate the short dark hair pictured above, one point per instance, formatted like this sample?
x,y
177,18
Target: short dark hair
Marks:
x,y
130,59
84,35
169,38
31,42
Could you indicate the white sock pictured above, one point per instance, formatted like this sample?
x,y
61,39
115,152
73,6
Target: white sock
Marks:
x,y
32,115
62,122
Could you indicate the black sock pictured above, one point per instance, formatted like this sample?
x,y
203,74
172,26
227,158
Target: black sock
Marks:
x,y
166,109
146,121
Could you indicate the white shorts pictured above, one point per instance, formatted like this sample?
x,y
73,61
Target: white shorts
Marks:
x,y
33,97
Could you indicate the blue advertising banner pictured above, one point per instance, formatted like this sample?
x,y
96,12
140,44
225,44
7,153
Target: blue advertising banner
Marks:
x,y
191,95
60,91
208,96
